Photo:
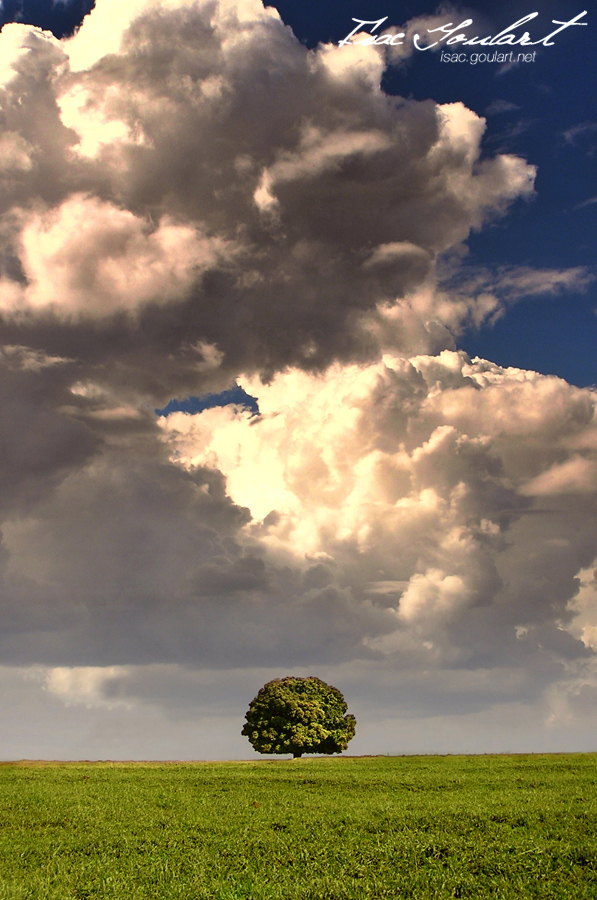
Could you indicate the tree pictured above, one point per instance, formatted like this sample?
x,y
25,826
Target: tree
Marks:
x,y
298,715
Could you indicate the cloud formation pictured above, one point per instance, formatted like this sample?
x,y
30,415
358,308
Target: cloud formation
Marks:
x,y
405,511
410,482
189,197
236,178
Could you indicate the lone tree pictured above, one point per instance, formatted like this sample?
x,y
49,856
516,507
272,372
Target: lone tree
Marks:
x,y
298,715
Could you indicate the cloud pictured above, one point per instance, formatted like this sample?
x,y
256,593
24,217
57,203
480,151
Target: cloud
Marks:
x,y
584,607
576,475
86,685
15,154
469,297
501,106
523,281
589,202
41,442
406,509
577,133
168,155
91,258
410,482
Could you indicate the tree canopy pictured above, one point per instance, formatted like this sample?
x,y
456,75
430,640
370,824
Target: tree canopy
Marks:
x,y
298,715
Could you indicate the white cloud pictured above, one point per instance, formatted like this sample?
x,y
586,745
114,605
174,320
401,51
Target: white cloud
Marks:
x,y
91,258
94,128
414,476
102,35
85,685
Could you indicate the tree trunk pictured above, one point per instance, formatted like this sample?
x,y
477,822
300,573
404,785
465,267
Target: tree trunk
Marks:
x,y
297,754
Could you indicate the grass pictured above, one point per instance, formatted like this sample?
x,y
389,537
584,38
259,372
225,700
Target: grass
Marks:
x,y
315,829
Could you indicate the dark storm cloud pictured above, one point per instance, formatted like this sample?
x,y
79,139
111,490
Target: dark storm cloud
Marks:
x,y
39,442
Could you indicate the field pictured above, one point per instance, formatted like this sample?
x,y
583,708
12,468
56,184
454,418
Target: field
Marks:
x,y
314,829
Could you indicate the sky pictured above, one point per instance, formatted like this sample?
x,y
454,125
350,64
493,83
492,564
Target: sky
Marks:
x,y
297,349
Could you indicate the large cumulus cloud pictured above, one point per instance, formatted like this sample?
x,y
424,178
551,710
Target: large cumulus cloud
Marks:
x,y
276,200
446,492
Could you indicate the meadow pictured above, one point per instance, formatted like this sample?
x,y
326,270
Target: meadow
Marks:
x,y
312,829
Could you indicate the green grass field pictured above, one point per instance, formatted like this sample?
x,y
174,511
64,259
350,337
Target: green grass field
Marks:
x,y
322,829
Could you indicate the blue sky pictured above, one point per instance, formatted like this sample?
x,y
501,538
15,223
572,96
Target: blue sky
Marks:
x,y
297,357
